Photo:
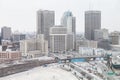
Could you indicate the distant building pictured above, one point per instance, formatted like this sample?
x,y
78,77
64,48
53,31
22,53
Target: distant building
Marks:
x,y
87,51
7,56
18,37
104,44
0,48
70,42
45,20
0,40
115,48
80,37
100,34
6,33
60,41
86,43
115,38
34,47
69,21
92,22
5,44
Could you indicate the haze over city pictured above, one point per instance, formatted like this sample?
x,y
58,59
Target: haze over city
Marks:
x,y
21,14
49,39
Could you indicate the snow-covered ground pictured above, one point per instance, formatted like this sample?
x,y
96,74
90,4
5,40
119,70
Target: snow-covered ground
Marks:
x,y
42,73
40,58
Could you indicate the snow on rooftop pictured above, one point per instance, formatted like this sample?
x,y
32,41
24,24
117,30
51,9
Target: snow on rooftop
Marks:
x,y
42,73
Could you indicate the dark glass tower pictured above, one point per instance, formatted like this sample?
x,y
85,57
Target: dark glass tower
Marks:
x,y
92,22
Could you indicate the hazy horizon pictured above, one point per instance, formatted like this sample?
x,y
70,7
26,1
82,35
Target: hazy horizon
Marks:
x,y
21,14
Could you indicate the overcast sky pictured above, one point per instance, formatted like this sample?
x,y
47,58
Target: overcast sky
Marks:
x,y
21,14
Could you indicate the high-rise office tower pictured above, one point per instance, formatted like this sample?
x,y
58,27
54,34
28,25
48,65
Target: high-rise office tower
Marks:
x,y
69,21
45,20
6,33
92,22
59,39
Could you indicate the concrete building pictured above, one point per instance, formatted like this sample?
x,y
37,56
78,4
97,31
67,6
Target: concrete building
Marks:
x,y
60,41
115,48
0,40
18,36
92,22
87,51
115,38
34,47
6,56
100,34
5,44
104,44
45,20
70,42
69,21
6,33
105,34
86,43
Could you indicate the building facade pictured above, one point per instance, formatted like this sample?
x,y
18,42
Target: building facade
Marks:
x,y
59,39
33,47
69,21
87,51
6,56
115,38
6,33
100,34
86,43
18,37
45,20
104,44
92,22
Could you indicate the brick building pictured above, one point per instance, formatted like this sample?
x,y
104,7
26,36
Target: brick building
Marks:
x,y
6,56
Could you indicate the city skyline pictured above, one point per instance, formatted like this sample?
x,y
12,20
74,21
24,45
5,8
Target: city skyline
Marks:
x,y
92,22
23,18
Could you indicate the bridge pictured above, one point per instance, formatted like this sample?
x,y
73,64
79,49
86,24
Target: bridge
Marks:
x,y
77,59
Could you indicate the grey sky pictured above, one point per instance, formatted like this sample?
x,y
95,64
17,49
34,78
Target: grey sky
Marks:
x,y
21,14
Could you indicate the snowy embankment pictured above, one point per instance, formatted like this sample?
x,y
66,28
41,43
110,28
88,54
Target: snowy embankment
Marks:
x,y
42,73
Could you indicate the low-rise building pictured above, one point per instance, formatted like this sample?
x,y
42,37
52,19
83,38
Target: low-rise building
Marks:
x,y
87,51
115,38
100,34
6,56
115,47
16,37
37,46
86,43
104,44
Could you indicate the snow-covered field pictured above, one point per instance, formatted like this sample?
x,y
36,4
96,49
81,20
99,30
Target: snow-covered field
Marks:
x,y
42,73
